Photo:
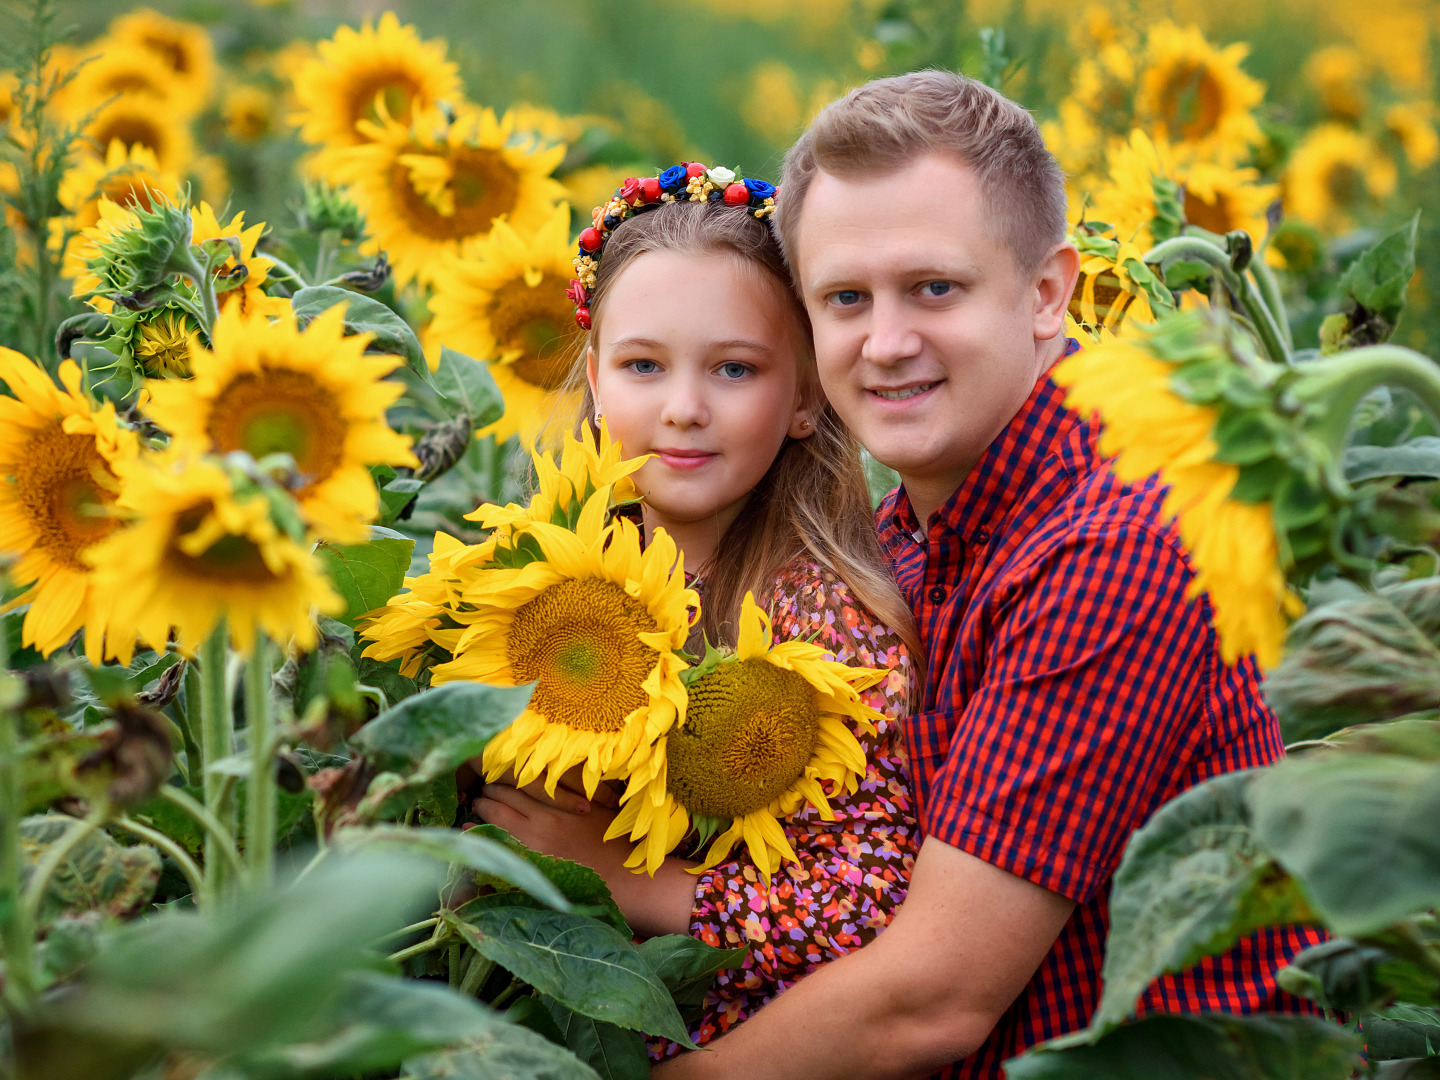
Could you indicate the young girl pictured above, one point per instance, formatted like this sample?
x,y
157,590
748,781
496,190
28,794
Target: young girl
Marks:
x,y
699,354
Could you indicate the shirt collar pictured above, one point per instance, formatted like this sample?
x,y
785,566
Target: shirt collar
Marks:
x,y
1005,470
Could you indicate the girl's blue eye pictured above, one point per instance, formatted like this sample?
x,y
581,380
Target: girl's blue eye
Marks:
x,y
847,297
644,367
734,369
936,288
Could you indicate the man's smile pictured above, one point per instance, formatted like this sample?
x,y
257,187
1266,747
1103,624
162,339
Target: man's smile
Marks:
x,y
902,393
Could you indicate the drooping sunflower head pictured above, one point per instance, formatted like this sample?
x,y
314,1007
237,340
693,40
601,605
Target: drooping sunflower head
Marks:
x,y
1333,175
506,304
316,395
434,188
1162,417
359,74
767,730
202,546
1115,285
595,623
59,460
183,49
1193,93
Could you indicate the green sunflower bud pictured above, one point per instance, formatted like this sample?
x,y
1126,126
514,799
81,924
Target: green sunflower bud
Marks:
x,y
325,208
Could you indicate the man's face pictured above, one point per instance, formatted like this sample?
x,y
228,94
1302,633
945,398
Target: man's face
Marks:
x,y
926,329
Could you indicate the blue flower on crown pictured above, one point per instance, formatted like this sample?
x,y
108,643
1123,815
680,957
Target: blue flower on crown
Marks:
x,y
673,179
760,189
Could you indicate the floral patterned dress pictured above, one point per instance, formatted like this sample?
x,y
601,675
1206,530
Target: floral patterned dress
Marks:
x,y
853,871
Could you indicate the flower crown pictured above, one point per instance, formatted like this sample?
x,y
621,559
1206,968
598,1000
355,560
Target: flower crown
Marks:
x,y
689,182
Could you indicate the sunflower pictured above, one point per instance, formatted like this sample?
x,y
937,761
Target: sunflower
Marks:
x,y
764,733
162,344
249,113
595,623
1335,172
270,388
59,459
408,626
338,88
198,550
250,296
1234,547
1193,93
1144,173
1339,74
184,48
1115,285
127,176
133,75
84,253
506,305
436,187
136,122
1412,124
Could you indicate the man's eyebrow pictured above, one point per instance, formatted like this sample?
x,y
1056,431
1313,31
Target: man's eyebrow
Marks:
x,y
917,272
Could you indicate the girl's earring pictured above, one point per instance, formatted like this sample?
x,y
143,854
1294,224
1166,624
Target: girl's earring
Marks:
x,y
599,416
804,425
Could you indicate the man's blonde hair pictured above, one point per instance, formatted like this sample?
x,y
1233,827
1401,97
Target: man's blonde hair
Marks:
x,y
887,124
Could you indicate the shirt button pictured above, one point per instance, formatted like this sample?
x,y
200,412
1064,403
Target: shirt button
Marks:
x,y
981,537
937,593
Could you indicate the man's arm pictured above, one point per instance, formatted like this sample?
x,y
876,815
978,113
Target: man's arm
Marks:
x,y
925,993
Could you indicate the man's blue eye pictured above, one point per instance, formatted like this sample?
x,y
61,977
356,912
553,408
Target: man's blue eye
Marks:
x,y
847,297
937,288
734,370
644,367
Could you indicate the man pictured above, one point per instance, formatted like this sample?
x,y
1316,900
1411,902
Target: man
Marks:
x,y
1072,688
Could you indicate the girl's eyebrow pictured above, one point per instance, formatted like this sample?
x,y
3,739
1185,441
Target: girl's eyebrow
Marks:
x,y
714,346
636,343
741,343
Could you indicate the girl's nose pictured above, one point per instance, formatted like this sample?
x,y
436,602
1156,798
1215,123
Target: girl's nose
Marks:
x,y
685,405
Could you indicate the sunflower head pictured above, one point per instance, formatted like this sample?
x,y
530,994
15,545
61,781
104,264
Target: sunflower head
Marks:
x,y
124,71
766,731
133,251
315,396
127,176
134,121
241,278
435,187
60,460
183,49
1115,283
507,305
1198,95
1334,174
208,541
382,68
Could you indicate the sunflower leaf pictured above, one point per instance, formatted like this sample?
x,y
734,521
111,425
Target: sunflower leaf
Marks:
x,y
364,315
467,383
687,966
615,1053
367,575
579,884
504,1052
432,732
583,963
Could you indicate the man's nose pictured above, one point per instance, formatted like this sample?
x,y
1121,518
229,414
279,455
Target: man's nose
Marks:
x,y
891,336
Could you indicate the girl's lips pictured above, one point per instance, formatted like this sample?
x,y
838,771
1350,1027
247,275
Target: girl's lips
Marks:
x,y
685,460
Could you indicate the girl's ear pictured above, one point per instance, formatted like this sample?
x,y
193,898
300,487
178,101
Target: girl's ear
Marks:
x,y
802,423
590,377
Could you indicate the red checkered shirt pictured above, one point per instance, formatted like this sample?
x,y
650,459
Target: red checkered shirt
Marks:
x,y
1072,689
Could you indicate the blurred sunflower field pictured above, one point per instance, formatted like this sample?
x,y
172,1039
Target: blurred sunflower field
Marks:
x,y
283,298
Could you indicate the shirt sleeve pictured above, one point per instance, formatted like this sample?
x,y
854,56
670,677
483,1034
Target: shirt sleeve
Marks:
x,y
1085,714
853,871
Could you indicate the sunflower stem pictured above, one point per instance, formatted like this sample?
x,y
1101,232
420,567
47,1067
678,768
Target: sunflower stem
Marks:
x,y
1195,249
154,837
217,736
207,822
260,800
1269,288
185,713
1341,381
209,313
16,929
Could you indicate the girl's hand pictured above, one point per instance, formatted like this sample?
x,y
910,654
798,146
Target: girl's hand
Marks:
x,y
659,905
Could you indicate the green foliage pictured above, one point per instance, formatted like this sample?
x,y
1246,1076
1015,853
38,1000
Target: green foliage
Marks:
x,y
432,733
580,885
367,575
469,386
365,315
1375,285
96,875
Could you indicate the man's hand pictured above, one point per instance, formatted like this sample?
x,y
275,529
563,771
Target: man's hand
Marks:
x,y
925,993
659,905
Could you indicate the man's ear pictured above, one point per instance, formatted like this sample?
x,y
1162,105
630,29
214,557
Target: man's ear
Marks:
x,y
1054,285
590,377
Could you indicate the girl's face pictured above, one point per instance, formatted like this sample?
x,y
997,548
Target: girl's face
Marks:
x,y
697,364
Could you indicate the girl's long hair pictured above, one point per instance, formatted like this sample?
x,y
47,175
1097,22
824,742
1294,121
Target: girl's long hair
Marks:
x,y
813,500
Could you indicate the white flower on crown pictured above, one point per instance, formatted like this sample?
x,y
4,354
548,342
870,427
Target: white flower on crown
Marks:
x,y
720,176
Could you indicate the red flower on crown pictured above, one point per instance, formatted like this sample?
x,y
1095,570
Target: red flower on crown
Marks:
x,y
576,293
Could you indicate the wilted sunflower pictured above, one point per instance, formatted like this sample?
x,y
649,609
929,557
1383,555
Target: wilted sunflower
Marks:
x,y
1193,93
198,550
339,87
1334,173
184,48
58,464
249,297
270,388
595,623
764,733
506,305
434,188
135,122
1151,429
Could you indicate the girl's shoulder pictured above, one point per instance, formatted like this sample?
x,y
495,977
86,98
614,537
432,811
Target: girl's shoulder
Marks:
x,y
811,602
